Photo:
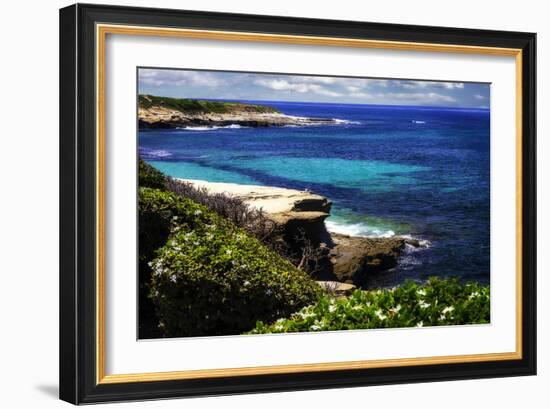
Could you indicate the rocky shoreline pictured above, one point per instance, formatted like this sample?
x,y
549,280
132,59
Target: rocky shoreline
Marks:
x,y
348,260
169,113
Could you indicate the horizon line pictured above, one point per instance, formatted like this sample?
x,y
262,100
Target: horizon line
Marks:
x,y
316,102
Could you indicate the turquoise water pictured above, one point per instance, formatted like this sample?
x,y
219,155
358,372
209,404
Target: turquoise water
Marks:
x,y
416,171
189,170
361,174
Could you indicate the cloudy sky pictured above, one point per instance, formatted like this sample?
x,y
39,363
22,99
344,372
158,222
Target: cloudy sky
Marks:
x,y
270,87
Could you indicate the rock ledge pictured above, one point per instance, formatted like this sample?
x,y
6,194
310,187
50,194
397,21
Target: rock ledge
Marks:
x,y
349,259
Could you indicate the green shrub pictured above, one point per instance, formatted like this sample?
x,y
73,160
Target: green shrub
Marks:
x,y
151,177
188,105
211,278
159,212
439,302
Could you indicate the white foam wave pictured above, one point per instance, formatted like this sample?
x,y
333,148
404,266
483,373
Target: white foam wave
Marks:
x,y
345,121
305,121
357,229
210,128
418,122
419,244
362,230
156,153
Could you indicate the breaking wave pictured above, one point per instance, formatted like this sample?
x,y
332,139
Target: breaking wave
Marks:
x,y
210,128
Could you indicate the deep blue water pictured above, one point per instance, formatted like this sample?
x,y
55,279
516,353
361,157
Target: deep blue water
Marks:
x,y
417,171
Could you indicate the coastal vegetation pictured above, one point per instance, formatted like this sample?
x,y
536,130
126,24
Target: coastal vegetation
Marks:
x,y
211,264
211,278
254,221
438,302
202,274
187,105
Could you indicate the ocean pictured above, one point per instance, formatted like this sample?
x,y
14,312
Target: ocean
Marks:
x,y
421,172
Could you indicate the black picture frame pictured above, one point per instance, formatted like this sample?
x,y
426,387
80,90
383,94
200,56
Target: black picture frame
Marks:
x,y
78,258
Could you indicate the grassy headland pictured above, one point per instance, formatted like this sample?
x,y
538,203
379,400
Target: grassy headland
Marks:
x,y
187,105
166,112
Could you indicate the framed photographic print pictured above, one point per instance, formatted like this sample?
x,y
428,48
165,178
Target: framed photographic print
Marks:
x,y
258,203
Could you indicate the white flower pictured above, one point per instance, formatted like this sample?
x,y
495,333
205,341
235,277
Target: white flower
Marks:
x,y
331,308
246,283
315,327
173,278
197,213
473,295
423,304
420,324
396,309
448,309
227,251
380,315
421,292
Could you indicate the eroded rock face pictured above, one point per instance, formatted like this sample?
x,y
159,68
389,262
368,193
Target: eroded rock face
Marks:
x,y
354,258
344,259
297,211
161,117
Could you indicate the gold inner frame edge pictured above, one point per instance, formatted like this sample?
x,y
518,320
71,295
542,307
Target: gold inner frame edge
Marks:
x,y
101,32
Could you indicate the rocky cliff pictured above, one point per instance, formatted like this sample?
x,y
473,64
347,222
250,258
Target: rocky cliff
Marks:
x,y
163,112
346,259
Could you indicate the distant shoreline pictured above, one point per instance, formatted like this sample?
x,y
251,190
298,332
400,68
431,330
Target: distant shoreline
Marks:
x,y
172,113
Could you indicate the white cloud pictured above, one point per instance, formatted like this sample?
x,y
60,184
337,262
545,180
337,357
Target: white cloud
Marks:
x,y
179,78
450,85
426,97
316,80
363,95
413,84
265,86
289,85
328,93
